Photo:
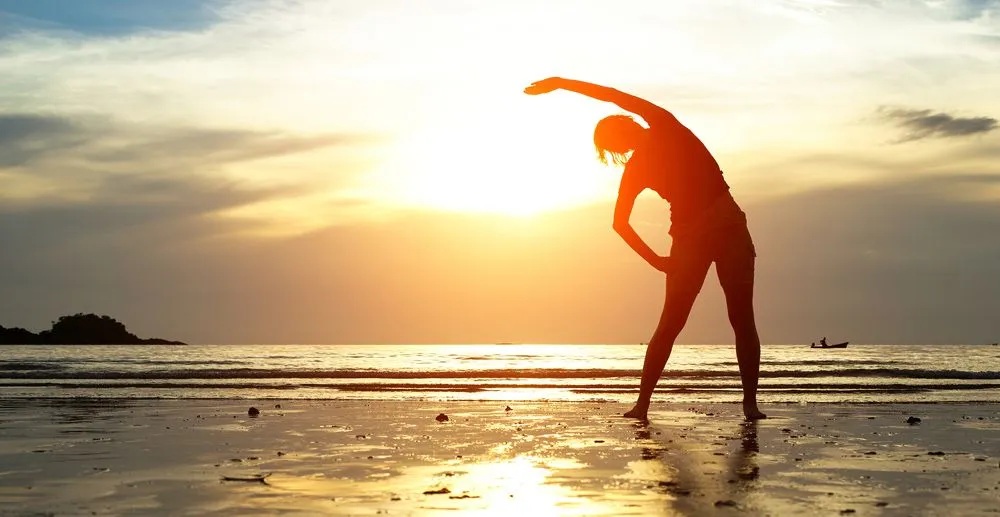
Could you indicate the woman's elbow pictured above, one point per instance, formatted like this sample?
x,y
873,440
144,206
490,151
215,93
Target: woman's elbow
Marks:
x,y
621,227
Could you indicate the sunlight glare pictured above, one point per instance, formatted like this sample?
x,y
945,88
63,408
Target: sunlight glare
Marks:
x,y
520,158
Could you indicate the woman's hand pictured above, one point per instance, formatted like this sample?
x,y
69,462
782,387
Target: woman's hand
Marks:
x,y
543,86
664,264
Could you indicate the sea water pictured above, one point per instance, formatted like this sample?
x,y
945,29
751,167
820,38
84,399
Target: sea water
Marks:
x,y
695,373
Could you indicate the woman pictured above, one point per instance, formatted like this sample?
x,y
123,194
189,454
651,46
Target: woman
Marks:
x,y
706,226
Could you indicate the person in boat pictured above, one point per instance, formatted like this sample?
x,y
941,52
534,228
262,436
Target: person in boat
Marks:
x,y
822,342
706,226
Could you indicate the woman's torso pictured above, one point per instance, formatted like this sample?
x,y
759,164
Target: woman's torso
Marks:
x,y
676,165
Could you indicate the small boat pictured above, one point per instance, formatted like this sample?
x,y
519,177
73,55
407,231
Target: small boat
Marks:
x,y
835,345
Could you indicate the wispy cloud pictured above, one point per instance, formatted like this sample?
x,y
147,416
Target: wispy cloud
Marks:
x,y
925,123
89,170
68,149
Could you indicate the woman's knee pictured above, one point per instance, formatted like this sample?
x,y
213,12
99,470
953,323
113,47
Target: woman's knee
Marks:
x,y
743,322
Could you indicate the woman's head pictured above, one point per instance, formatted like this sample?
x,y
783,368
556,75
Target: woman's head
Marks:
x,y
615,136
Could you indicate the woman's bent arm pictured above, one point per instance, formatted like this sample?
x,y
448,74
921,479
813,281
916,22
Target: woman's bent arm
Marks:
x,y
621,225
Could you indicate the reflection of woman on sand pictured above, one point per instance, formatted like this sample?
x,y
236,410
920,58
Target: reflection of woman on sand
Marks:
x,y
706,225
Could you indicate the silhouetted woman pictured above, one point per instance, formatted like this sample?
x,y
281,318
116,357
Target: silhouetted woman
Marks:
x,y
706,226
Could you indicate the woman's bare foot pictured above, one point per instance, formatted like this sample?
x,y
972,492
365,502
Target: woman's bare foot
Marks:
x,y
751,412
639,411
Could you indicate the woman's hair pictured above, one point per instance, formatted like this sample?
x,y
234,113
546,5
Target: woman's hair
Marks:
x,y
609,138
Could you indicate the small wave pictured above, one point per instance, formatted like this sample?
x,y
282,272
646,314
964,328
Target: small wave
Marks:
x,y
160,362
905,373
253,373
22,366
504,357
453,387
536,373
817,362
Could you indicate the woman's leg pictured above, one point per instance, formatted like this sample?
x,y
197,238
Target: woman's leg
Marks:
x,y
683,284
736,274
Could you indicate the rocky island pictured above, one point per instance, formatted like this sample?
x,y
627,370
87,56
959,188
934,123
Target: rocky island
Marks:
x,y
79,329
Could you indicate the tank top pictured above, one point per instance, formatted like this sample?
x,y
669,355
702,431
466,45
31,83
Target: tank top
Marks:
x,y
675,164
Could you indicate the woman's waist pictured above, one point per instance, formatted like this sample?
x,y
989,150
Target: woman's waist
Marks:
x,y
719,213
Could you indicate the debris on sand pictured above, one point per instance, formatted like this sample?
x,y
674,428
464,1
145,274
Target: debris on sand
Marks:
x,y
253,412
727,502
748,474
441,418
913,420
436,492
255,478
463,496
508,409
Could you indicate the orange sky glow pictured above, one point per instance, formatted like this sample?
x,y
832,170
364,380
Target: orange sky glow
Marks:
x,y
331,167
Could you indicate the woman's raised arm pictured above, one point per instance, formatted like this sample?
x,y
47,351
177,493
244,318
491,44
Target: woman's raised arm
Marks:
x,y
647,110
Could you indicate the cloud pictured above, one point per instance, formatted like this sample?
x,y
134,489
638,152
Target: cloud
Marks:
x,y
151,212
969,9
900,260
125,151
903,260
921,124
94,181
70,162
25,137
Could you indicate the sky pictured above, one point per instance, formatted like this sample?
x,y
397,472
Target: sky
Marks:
x,y
368,171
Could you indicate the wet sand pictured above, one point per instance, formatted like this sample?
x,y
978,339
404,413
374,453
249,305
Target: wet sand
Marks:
x,y
141,457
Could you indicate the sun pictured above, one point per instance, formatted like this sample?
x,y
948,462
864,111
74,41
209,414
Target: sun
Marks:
x,y
520,158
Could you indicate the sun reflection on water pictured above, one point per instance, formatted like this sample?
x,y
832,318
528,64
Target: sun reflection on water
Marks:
x,y
523,483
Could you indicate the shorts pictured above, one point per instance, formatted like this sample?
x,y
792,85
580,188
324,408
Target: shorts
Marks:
x,y
720,236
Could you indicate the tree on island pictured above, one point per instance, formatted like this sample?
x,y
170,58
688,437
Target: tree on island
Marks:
x,y
79,329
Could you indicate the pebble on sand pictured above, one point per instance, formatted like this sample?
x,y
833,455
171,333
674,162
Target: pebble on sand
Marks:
x,y
254,478
508,409
441,417
253,411
912,420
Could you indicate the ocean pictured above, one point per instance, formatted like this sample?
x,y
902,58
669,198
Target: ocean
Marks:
x,y
695,373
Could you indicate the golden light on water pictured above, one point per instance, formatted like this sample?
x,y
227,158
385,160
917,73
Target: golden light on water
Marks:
x,y
507,486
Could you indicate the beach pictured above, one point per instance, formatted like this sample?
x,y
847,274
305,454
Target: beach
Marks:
x,y
334,457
